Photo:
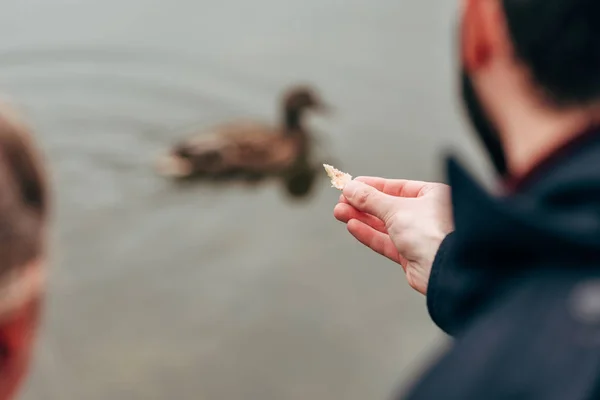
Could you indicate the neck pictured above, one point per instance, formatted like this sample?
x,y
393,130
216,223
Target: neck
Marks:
x,y
533,133
292,119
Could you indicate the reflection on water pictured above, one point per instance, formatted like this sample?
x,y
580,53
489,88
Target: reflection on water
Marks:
x,y
218,291
301,182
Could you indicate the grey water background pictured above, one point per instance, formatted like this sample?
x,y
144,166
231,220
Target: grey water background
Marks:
x,y
204,292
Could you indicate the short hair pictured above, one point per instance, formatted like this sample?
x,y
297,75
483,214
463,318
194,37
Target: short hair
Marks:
x,y
24,203
559,41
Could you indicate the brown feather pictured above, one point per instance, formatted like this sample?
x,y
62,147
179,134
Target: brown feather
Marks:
x,y
248,147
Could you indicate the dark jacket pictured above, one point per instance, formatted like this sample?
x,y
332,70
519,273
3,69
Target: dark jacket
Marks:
x,y
517,286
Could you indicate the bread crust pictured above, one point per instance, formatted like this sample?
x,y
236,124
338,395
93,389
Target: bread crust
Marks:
x,y
338,178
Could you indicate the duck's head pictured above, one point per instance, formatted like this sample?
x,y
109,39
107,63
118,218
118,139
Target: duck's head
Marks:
x,y
298,100
301,98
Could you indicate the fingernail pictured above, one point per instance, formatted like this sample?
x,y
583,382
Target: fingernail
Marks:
x,y
351,188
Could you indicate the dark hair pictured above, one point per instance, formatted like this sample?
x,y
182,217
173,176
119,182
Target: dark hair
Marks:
x,y
24,204
559,40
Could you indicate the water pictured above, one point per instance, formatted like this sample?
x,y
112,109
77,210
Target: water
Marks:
x,y
211,293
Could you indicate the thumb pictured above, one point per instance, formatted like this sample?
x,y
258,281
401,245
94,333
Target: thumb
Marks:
x,y
369,200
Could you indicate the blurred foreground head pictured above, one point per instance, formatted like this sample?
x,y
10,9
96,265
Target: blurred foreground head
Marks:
x,y
24,216
530,77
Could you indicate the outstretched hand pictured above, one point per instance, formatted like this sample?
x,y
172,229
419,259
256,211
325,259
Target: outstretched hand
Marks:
x,y
402,220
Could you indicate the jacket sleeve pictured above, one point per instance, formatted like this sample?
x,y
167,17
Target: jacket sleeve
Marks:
x,y
455,291
443,280
541,340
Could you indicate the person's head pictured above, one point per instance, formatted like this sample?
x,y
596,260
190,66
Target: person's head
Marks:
x,y
24,215
531,74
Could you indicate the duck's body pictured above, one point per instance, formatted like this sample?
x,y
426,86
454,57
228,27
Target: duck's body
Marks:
x,y
238,147
248,149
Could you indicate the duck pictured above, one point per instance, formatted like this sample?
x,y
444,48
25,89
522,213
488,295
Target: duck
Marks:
x,y
253,150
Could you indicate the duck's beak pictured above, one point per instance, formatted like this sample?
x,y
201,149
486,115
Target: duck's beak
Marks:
x,y
324,108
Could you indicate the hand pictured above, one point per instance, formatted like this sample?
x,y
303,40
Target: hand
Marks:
x,y
402,220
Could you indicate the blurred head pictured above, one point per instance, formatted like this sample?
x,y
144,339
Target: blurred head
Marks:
x,y
302,98
296,101
23,221
530,76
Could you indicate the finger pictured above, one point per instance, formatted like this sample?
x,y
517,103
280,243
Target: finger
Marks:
x,y
395,187
369,200
377,241
342,199
345,213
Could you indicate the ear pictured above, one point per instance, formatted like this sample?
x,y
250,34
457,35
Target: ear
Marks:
x,y
482,33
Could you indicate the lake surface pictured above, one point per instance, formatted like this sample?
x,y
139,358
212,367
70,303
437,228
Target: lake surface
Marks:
x,y
203,292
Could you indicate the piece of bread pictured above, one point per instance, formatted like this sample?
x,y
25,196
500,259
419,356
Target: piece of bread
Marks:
x,y
338,178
